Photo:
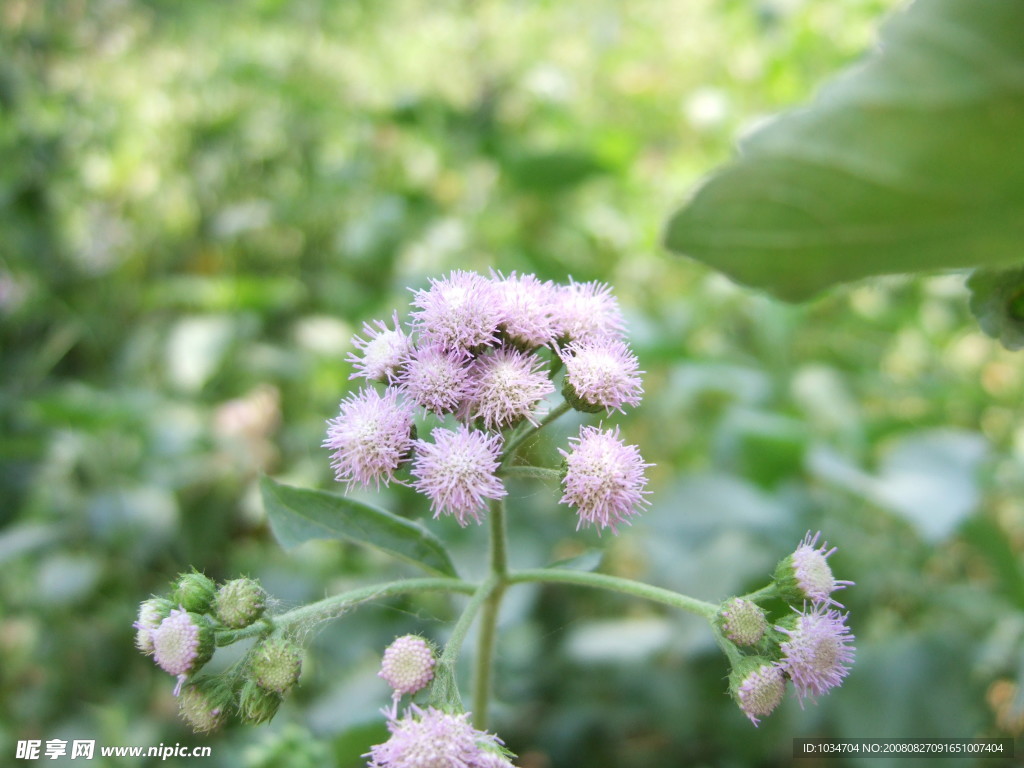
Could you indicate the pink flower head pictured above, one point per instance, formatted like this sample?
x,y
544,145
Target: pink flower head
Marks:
x,y
457,472
431,738
150,616
435,378
761,692
505,386
369,438
604,478
587,311
602,373
408,664
527,306
462,311
178,645
383,351
812,573
817,655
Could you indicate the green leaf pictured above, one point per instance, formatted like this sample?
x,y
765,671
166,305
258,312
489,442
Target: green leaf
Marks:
x,y
299,514
910,162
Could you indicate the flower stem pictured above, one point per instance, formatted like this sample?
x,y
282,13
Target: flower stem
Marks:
x,y
336,605
518,440
616,584
483,674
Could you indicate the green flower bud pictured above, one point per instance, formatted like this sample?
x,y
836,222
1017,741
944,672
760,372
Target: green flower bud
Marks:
x,y
194,592
758,686
257,705
742,621
240,602
206,704
276,665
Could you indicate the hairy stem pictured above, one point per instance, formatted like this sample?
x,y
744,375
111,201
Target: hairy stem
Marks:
x,y
445,690
336,605
482,674
616,584
518,440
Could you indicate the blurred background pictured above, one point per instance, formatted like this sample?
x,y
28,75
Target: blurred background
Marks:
x,y
201,202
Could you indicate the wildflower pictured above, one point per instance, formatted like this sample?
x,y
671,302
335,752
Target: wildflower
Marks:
x,y
205,704
459,312
806,575
151,613
817,655
239,602
256,704
505,387
408,664
586,311
604,478
383,351
600,374
276,665
182,644
431,738
527,309
194,592
742,621
370,438
758,687
435,378
457,472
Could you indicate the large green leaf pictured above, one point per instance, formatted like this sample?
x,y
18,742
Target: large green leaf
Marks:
x,y
299,514
909,162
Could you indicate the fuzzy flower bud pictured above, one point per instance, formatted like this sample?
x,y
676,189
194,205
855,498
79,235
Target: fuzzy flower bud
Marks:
x,y
457,472
436,378
370,438
600,375
586,311
806,575
256,704
604,478
408,664
194,592
383,351
527,309
205,704
151,613
817,653
758,687
505,386
182,644
460,312
276,665
742,621
434,739
239,602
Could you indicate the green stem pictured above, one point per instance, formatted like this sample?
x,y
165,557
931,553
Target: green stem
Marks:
x,y
482,674
445,690
539,473
518,440
616,584
336,605
765,593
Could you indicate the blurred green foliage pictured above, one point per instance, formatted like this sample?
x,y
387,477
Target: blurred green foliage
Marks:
x,y
201,202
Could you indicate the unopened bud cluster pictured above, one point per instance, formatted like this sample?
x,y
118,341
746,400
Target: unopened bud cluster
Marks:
x,y
810,646
489,351
181,631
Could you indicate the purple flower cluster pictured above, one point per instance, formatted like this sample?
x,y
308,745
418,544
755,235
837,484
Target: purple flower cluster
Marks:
x,y
483,351
812,648
431,737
